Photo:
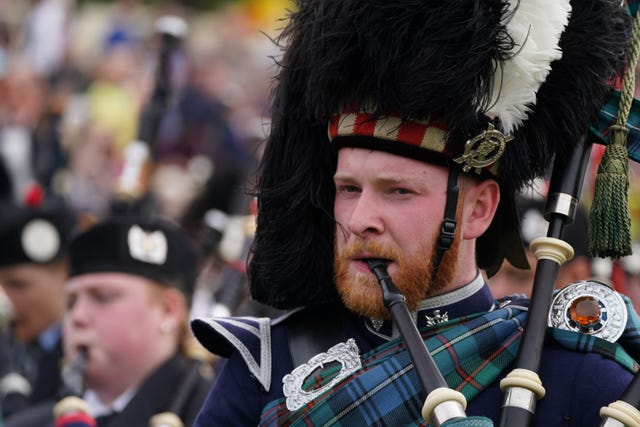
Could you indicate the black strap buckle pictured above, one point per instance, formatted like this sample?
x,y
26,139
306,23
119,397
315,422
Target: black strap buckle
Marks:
x,y
446,234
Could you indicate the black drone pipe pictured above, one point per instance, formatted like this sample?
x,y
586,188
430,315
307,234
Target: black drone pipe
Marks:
x,y
522,386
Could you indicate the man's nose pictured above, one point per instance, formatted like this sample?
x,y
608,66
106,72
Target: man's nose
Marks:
x,y
79,311
366,216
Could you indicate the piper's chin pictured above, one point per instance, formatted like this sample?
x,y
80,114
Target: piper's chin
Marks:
x,y
412,275
361,294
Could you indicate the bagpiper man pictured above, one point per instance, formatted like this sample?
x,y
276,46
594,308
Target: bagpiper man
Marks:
x,y
402,132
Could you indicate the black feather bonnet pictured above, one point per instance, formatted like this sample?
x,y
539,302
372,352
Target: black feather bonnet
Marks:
x,y
537,71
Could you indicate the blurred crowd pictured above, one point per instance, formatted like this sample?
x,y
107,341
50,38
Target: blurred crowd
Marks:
x,y
77,81
76,77
155,109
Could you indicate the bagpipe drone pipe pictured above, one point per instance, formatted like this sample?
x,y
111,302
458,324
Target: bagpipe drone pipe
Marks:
x,y
71,410
443,406
228,239
522,386
15,389
227,242
131,189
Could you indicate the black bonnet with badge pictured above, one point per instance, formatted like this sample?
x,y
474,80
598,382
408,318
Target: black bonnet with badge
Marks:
x,y
154,248
35,234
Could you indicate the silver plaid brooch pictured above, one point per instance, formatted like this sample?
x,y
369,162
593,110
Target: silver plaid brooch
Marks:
x,y
346,354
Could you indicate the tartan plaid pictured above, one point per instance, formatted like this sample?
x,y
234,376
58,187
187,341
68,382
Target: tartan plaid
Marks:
x,y
607,117
471,353
588,344
469,422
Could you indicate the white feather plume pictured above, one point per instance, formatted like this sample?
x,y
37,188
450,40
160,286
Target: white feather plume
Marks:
x,y
536,27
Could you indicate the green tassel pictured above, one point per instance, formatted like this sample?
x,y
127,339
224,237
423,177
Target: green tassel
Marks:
x,y
610,224
610,218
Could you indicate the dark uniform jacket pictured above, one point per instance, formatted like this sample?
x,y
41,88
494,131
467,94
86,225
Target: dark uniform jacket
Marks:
x,y
156,395
38,365
577,384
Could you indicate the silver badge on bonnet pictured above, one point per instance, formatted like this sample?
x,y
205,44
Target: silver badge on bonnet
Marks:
x,y
147,246
40,240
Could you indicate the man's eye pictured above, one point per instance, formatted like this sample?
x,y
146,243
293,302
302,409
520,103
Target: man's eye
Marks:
x,y
16,285
348,189
103,297
402,191
71,301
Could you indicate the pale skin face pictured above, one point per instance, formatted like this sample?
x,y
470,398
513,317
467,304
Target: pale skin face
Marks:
x,y
394,206
37,295
128,324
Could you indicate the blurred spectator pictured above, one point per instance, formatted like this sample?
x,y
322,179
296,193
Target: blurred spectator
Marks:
x,y
31,108
33,271
35,228
100,124
46,33
196,142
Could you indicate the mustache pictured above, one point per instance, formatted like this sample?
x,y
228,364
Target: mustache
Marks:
x,y
372,249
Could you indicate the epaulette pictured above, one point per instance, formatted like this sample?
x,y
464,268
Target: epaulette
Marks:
x,y
249,336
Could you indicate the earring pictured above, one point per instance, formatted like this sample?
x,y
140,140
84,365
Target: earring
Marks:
x,y
166,327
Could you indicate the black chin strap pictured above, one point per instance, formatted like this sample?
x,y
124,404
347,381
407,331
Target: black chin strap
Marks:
x,y
449,222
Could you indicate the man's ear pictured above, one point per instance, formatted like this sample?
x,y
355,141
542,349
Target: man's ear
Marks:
x,y
480,204
172,303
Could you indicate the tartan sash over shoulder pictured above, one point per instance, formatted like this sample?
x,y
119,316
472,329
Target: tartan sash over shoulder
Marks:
x,y
471,353
387,389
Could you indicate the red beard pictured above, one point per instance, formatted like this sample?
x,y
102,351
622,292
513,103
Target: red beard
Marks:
x,y
361,292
